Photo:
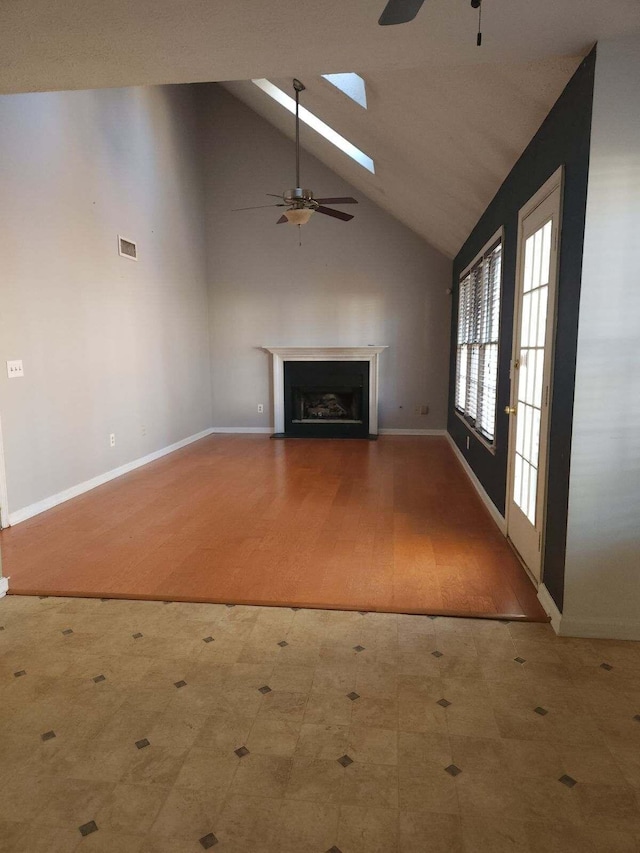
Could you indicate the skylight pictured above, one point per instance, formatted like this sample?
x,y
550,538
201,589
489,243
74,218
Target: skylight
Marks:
x,y
351,84
317,124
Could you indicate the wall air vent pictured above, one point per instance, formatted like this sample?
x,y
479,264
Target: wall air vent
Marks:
x,y
127,248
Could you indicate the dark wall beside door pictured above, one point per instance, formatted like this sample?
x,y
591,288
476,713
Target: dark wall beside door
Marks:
x,y
562,140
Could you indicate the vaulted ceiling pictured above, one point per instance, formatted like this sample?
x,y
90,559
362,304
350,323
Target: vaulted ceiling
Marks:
x,y
446,120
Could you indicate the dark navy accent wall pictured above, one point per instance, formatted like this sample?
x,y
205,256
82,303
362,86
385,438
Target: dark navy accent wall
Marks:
x,y
562,140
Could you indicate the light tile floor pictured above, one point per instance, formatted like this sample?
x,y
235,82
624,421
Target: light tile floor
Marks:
x,y
144,727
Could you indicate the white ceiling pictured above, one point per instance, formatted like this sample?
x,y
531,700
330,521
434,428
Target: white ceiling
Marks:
x,y
443,137
446,120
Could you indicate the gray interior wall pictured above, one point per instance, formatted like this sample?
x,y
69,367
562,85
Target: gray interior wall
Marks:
x,y
602,584
368,281
108,344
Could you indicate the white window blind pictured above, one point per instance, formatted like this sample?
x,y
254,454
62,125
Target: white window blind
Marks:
x,y
477,344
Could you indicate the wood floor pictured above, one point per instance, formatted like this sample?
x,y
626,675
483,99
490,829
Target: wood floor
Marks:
x,y
392,525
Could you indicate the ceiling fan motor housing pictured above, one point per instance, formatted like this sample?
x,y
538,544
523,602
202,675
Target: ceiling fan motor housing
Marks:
x,y
299,197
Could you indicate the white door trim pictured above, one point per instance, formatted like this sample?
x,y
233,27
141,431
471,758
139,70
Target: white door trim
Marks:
x,y
555,182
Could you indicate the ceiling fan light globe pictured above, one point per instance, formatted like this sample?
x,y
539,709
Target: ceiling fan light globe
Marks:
x,y
298,215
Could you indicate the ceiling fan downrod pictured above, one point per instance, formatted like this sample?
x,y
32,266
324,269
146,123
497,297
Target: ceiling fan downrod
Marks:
x,y
299,87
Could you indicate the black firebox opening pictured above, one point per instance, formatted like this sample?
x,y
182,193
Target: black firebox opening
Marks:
x,y
326,399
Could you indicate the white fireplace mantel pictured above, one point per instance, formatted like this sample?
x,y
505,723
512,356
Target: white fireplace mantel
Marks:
x,y
282,354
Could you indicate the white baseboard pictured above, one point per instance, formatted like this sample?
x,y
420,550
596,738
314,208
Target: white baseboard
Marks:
x,y
550,608
245,430
495,513
48,503
4,587
411,432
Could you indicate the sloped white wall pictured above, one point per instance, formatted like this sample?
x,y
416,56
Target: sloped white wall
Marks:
x,y
368,281
602,582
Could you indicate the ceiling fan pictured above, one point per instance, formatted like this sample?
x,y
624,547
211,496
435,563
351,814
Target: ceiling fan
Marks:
x,y
403,11
300,204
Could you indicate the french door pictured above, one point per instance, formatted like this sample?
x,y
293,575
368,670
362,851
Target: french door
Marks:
x,y
533,338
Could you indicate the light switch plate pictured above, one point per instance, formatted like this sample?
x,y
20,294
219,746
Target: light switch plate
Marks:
x,y
15,369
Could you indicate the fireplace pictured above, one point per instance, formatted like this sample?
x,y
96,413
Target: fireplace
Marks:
x,y
326,399
325,392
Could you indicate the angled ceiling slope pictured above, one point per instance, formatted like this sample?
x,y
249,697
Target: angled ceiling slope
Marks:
x,y
443,138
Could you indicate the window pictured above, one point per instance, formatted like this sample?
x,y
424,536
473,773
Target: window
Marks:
x,y
477,343
351,84
317,124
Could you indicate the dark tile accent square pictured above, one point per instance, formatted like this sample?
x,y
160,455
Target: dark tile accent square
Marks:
x,y
207,640
1,627
520,660
67,631
637,718
568,781
345,761
452,770
334,849
542,711
137,636
437,654
358,648
353,695
19,673
606,666
99,678
264,689
241,751
444,702
180,684
48,735
88,828
283,643
142,743
208,841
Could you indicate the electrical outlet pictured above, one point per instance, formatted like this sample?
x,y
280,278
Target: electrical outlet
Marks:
x,y
143,429
112,439
15,369
260,408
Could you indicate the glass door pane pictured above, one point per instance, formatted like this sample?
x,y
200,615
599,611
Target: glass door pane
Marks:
x,y
537,266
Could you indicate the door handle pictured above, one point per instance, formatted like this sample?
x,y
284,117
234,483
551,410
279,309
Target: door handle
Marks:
x,y
509,410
